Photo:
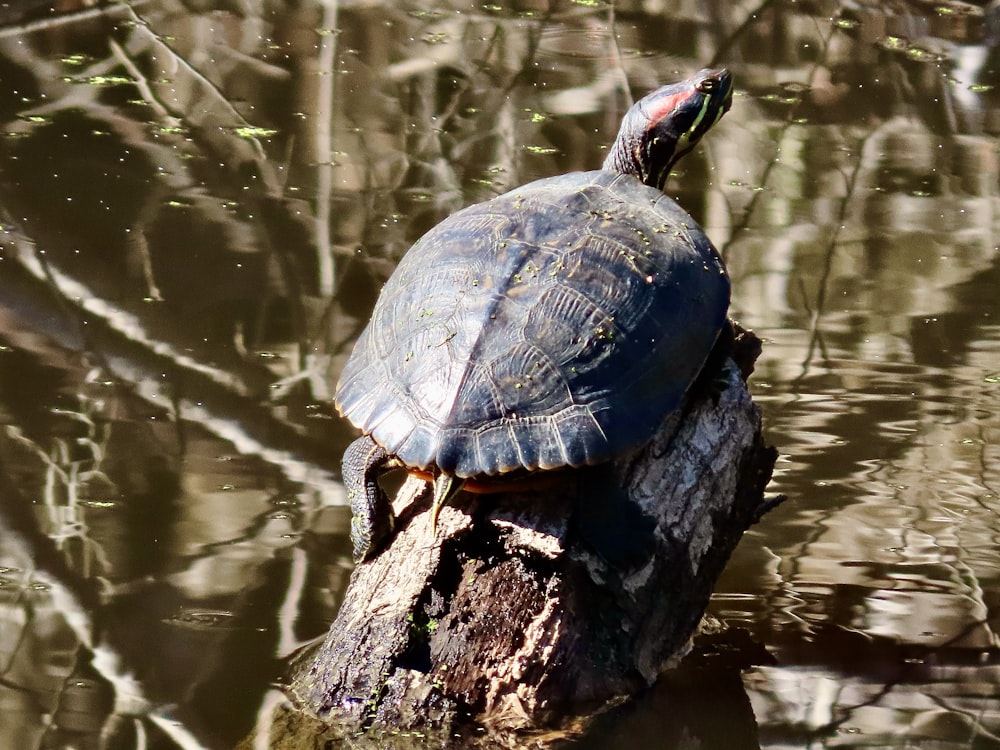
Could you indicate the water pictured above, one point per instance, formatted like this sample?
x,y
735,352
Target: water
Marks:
x,y
198,209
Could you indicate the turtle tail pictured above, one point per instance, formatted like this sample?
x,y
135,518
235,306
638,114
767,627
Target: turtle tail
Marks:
x,y
446,486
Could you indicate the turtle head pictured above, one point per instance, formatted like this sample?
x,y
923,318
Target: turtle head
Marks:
x,y
667,123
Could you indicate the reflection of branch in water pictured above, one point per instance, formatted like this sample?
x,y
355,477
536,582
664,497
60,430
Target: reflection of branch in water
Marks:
x,y
752,17
818,338
790,120
66,475
905,674
616,52
222,132
327,81
140,81
62,19
215,120
815,334
225,401
816,312
75,598
136,244
430,173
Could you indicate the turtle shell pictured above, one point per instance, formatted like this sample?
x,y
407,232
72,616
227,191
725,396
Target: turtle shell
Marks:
x,y
555,325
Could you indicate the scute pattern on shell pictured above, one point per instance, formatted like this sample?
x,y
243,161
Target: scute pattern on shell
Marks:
x,y
555,325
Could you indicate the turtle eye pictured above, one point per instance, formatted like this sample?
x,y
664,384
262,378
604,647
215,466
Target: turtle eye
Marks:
x,y
707,86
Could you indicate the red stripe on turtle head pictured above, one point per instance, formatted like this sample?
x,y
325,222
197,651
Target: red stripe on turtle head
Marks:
x,y
665,106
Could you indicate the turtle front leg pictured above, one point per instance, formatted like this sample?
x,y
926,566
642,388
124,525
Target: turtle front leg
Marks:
x,y
372,520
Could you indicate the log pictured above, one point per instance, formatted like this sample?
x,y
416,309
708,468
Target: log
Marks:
x,y
527,611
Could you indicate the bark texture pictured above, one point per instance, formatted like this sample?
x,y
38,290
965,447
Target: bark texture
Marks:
x,y
525,610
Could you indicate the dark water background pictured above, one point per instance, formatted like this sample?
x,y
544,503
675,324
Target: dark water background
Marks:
x,y
200,200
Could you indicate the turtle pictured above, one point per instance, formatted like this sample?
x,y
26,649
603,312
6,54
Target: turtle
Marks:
x,y
551,327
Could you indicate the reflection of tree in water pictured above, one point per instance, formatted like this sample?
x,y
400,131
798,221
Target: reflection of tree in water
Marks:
x,y
901,193
219,194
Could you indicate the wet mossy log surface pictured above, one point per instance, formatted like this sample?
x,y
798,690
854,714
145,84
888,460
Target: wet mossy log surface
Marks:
x,y
526,609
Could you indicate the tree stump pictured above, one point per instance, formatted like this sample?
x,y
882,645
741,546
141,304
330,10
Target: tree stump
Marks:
x,y
525,610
